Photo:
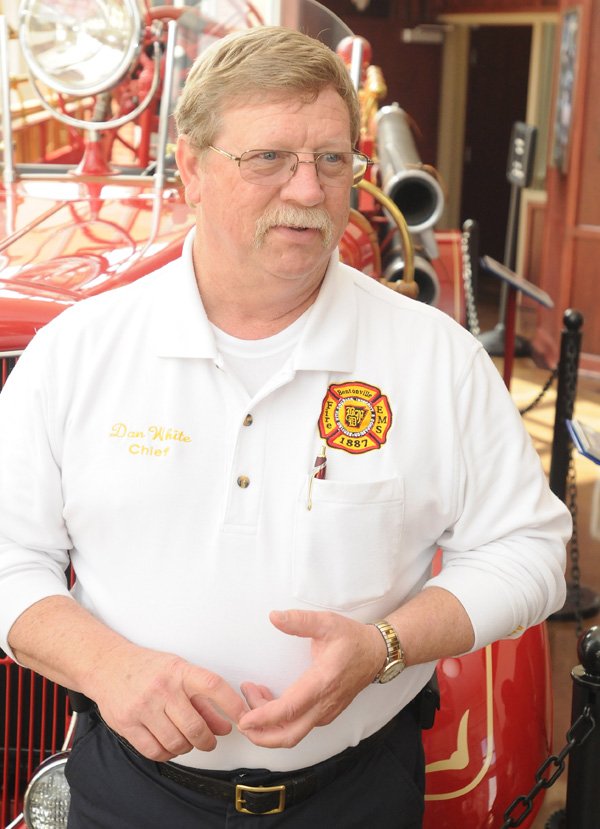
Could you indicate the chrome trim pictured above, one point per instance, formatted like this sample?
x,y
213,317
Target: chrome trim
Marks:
x,y
356,62
133,49
19,820
70,732
51,763
4,354
8,173
103,125
165,104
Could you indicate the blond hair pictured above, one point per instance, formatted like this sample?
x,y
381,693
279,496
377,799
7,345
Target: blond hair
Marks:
x,y
266,59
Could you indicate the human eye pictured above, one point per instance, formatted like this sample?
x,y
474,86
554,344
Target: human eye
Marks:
x,y
266,166
334,165
334,159
266,157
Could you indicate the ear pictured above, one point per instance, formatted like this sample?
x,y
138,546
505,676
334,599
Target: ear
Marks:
x,y
188,164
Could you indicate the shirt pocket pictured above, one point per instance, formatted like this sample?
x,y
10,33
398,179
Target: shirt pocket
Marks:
x,y
345,546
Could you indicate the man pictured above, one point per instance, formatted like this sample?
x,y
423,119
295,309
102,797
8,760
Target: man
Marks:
x,y
237,614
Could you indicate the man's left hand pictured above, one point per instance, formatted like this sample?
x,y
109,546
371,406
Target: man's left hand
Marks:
x,y
346,656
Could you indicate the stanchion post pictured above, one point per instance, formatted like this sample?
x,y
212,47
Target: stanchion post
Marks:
x,y
583,784
581,601
570,346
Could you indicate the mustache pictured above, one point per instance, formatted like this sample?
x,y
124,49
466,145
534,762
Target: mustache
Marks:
x,y
293,216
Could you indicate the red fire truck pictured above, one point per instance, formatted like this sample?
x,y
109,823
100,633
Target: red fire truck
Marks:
x,y
103,207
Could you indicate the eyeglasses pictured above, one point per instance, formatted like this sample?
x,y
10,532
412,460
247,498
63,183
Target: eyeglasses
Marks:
x,y
276,167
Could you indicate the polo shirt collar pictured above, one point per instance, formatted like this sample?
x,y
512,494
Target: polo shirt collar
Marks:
x,y
182,329
329,339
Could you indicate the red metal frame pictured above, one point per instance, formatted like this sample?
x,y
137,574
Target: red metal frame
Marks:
x,y
34,711
78,236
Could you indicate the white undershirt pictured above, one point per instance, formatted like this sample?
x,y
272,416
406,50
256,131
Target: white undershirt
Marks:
x,y
254,362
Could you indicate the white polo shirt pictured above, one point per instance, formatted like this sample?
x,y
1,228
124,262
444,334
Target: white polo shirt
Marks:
x,y
183,501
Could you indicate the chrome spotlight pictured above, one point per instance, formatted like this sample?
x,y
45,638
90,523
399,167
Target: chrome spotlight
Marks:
x,y
47,798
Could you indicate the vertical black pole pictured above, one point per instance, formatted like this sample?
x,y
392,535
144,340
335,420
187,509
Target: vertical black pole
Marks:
x,y
570,346
494,341
583,786
510,247
581,601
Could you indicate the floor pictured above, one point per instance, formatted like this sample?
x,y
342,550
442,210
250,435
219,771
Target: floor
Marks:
x,y
527,380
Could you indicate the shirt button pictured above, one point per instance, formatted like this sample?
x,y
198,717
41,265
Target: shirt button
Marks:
x,y
243,482
248,421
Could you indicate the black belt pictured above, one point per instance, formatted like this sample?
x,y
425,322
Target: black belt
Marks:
x,y
250,800
277,792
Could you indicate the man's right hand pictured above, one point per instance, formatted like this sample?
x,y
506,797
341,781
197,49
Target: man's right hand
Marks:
x,y
161,704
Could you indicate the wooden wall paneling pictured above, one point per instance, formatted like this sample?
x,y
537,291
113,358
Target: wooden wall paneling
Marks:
x,y
563,188
531,233
585,258
452,121
407,11
574,274
411,71
485,6
588,207
585,294
532,219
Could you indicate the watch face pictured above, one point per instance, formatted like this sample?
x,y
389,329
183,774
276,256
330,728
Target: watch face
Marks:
x,y
392,670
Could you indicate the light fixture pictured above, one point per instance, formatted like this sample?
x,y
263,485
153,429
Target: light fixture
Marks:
x,y
80,49
47,798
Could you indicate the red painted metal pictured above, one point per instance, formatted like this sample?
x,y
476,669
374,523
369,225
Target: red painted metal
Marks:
x,y
93,162
360,249
68,237
491,734
71,240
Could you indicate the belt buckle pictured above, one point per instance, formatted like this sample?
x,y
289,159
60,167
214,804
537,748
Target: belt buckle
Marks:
x,y
240,805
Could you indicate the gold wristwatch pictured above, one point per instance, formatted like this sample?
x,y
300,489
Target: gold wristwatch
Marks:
x,y
395,662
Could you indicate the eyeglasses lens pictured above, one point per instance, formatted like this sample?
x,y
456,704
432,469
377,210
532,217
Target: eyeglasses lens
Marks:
x,y
276,167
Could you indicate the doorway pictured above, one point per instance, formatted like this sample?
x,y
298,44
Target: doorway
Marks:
x,y
497,88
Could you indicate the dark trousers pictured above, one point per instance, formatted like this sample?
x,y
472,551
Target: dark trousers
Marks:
x,y
114,788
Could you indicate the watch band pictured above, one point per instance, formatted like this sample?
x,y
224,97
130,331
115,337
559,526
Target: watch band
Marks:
x,y
395,662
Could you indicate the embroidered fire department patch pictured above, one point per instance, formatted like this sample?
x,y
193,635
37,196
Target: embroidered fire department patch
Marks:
x,y
355,417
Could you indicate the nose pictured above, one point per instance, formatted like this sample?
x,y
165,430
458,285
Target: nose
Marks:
x,y
304,187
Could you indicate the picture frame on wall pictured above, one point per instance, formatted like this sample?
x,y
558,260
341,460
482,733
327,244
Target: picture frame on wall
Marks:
x,y
563,113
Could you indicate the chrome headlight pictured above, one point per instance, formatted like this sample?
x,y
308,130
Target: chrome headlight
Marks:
x,y
80,48
47,798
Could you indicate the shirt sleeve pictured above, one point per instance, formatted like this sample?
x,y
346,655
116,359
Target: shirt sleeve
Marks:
x,y
34,541
504,555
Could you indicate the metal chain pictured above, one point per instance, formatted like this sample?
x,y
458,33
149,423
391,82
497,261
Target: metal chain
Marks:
x,y
473,319
574,544
571,360
471,307
576,736
538,399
